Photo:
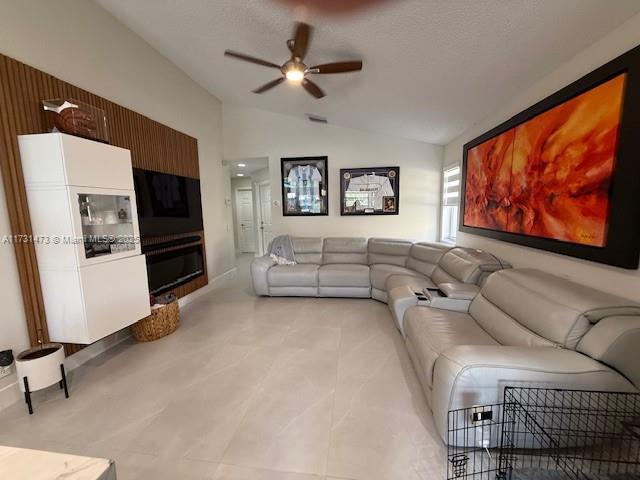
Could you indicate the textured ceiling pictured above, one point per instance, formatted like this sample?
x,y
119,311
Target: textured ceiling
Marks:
x,y
432,68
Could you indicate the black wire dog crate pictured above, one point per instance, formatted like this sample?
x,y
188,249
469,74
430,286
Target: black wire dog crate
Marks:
x,y
547,434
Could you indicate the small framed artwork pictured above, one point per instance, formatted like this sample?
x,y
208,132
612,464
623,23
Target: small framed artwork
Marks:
x,y
305,189
370,191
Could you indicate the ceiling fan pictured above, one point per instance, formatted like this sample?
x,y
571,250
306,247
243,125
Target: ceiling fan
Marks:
x,y
295,69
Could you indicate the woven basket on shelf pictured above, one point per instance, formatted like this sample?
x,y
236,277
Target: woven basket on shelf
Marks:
x,y
161,322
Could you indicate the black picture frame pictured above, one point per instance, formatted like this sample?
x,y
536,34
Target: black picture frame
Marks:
x,y
293,202
622,247
389,202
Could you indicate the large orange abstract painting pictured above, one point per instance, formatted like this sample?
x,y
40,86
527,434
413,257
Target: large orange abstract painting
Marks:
x,y
550,176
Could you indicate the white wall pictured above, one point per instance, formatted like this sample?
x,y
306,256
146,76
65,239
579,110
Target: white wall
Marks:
x,y
13,327
255,133
260,176
101,55
617,280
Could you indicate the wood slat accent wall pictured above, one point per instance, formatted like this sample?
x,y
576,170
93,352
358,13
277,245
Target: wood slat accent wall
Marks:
x,y
153,146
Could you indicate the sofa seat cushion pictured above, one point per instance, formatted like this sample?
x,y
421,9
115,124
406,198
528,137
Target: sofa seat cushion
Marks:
x,y
381,271
431,331
416,284
344,275
299,275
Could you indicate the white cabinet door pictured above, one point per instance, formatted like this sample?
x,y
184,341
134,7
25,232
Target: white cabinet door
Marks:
x,y
96,215
56,159
92,164
63,304
116,295
52,225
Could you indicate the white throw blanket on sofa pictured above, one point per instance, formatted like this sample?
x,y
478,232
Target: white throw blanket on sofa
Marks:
x,y
281,250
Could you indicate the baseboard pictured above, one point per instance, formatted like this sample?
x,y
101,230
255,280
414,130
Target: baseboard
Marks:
x,y
10,393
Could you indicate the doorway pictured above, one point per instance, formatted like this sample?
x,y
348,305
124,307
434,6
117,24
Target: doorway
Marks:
x,y
247,175
264,212
245,220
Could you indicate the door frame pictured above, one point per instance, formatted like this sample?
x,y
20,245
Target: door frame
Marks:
x,y
237,219
261,247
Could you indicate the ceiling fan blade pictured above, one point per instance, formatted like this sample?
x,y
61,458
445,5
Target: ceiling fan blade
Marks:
x,y
248,58
269,86
312,88
301,40
337,67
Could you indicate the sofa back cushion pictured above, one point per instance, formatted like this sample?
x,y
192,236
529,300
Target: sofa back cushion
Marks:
x,y
389,251
345,250
503,328
466,265
307,249
424,256
616,342
551,307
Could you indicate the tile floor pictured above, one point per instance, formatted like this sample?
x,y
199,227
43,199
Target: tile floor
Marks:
x,y
248,389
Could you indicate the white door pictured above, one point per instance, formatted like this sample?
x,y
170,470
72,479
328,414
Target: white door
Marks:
x,y
264,190
244,219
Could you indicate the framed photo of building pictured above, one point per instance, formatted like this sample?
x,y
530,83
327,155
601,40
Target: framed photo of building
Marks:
x,y
370,191
305,189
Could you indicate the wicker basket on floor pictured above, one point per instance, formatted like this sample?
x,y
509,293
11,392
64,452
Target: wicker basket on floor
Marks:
x,y
160,323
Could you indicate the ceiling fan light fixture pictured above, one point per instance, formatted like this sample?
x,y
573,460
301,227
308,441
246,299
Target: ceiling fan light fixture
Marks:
x,y
294,74
294,69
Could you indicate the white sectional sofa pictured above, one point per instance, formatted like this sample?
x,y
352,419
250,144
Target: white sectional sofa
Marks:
x,y
368,268
524,328
495,326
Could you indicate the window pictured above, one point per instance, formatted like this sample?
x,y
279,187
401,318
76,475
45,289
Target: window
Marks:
x,y
450,196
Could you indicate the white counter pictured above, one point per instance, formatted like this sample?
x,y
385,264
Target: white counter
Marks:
x,y
22,463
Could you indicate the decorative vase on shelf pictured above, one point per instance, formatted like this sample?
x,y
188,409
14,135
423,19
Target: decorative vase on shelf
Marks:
x,y
41,367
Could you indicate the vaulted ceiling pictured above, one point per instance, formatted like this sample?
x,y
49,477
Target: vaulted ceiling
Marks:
x,y
431,69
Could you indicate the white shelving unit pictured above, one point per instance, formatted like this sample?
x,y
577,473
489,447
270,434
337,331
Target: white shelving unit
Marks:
x,y
85,225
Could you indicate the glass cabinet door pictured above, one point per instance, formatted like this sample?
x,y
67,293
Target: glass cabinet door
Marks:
x,y
107,224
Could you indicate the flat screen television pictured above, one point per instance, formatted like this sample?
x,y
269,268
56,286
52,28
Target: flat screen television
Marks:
x,y
167,204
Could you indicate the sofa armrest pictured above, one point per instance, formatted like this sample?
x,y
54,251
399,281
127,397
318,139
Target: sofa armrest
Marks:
x,y
259,270
615,341
465,376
